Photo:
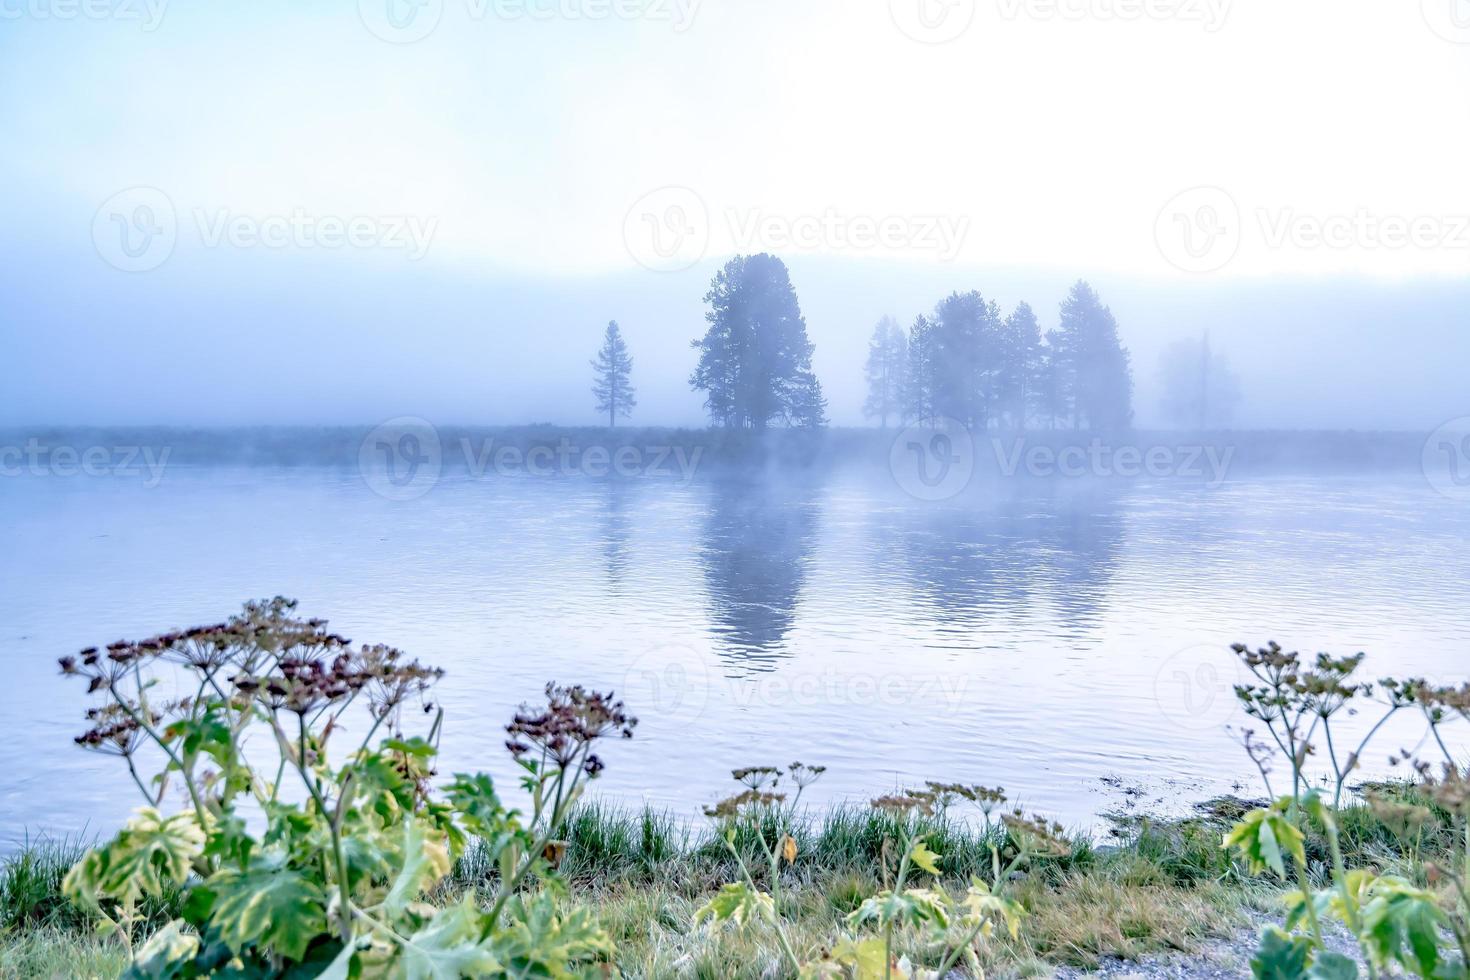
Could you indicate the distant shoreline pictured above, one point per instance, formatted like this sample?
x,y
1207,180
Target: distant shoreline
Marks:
x,y
995,452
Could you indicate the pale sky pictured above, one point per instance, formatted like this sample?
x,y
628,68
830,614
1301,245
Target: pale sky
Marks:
x,y
1046,133
333,210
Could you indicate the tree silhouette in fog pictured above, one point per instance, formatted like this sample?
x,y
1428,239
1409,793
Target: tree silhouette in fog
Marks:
x,y
613,367
755,361
1200,389
887,371
968,363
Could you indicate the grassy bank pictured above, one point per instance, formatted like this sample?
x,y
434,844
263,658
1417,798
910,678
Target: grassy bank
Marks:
x,y
1147,887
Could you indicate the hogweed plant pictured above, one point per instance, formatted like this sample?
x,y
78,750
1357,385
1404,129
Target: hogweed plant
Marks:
x,y
1398,925
761,809
903,905
306,866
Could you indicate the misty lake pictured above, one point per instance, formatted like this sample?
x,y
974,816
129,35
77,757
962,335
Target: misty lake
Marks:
x,y
1066,640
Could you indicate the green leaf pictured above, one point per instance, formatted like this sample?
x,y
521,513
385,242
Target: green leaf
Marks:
x,y
1262,838
924,858
1401,924
982,904
867,958
1333,966
479,807
915,906
424,860
167,955
541,941
279,909
449,947
737,903
1281,956
147,857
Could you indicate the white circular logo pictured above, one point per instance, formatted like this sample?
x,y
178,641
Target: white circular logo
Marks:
x,y
401,459
1450,19
135,230
1195,688
932,21
672,683
933,462
1199,230
1447,459
400,21
667,230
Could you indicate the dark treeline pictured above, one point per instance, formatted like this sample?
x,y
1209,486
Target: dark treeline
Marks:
x,y
966,362
970,363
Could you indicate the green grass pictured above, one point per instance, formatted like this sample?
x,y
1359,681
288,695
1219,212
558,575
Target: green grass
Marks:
x,y
1154,886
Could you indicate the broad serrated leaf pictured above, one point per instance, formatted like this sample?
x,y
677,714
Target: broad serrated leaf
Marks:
x,y
167,955
737,903
275,908
449,947
1401,924
148,856
1332,966
1264,837
924,858
424,860
1281,956
867,958
982,904
539,940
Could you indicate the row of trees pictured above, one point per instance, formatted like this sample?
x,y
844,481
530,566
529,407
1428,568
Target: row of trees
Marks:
x,y
755,361
969,362
966,361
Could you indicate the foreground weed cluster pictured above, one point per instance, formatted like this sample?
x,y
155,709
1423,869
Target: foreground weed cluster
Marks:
x,y
300,859
1401,921
949,929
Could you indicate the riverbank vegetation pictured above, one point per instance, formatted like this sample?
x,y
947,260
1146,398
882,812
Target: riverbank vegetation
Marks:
x,y
363,860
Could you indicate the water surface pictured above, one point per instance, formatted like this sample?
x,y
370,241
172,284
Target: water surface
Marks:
x,y
1060,638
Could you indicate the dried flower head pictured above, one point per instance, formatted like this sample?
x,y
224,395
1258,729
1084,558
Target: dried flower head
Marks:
x,y
1038,836
573,719
902,804
757,777
743,803
804,775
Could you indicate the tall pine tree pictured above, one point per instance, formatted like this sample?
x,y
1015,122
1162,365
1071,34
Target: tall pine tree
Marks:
x,y
886,370
755,361
1021,373
1096,368
922,380
613,366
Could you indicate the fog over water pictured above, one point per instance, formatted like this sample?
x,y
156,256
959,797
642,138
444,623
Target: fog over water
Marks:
x,y
551,341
